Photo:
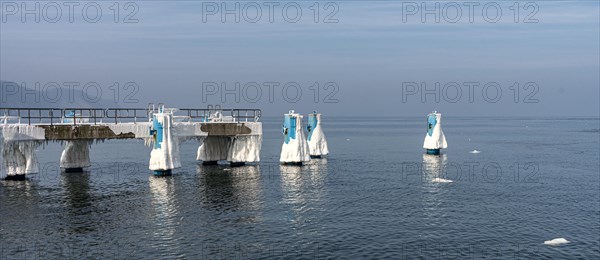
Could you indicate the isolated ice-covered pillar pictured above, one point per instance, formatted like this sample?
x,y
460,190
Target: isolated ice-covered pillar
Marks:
x,y
165,152
294,149
19,158
434,139
75,156
317,143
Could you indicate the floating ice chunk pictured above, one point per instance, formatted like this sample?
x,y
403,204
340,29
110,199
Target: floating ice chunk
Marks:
x,y
475,151
441,180
347,139
556,241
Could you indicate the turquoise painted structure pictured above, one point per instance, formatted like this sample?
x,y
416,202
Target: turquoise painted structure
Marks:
x,y
156,131
289,128
433,151
312,124
163,173
431,122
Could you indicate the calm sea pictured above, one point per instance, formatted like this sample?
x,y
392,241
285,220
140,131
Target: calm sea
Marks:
x,y
535,179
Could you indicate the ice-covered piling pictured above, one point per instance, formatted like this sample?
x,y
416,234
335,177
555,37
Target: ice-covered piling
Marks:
x,y
317,143
165,153
238,150
230,140
18,143
434,139
76,155
295,148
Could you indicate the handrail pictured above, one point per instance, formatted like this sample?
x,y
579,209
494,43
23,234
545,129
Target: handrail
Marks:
x,y
77,116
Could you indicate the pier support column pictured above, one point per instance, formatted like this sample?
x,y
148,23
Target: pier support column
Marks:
x,y
294,150
317,143
213,149
19,159
238,150
75,156
244,149
165,153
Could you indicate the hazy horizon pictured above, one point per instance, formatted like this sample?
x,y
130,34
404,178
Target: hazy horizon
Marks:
x,y
362,54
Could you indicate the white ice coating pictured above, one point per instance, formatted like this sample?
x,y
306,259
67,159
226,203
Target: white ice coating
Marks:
x,y
213,148
296,150
244,148
21,132
18,143
318,144
167,156
19,158
76,154
437,140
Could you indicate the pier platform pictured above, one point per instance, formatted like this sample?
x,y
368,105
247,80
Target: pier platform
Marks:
x,y
233,135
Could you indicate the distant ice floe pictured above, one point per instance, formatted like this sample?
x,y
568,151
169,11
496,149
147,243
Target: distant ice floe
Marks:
x,y
441,180
475,151
556,241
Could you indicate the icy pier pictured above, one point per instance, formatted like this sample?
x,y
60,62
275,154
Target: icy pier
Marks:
x,y
233,135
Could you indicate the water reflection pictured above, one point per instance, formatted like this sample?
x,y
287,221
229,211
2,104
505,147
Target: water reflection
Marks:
x,y
434,187
165,212
19,213
434,167
318,171
304,188
236,189
22,188
76,188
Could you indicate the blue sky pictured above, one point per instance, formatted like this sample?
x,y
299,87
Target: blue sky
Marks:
x,y
369,53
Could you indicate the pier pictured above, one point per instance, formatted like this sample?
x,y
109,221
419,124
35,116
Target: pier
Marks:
x,y
233,135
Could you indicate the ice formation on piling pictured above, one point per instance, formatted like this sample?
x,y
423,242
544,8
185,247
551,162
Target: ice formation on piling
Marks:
x,y
76,155
19,158
295,148
18,143
245,148
434,139
235,149
165,153
317,143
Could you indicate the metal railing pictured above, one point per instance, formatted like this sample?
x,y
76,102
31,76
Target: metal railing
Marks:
x,y
75,116
237,115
